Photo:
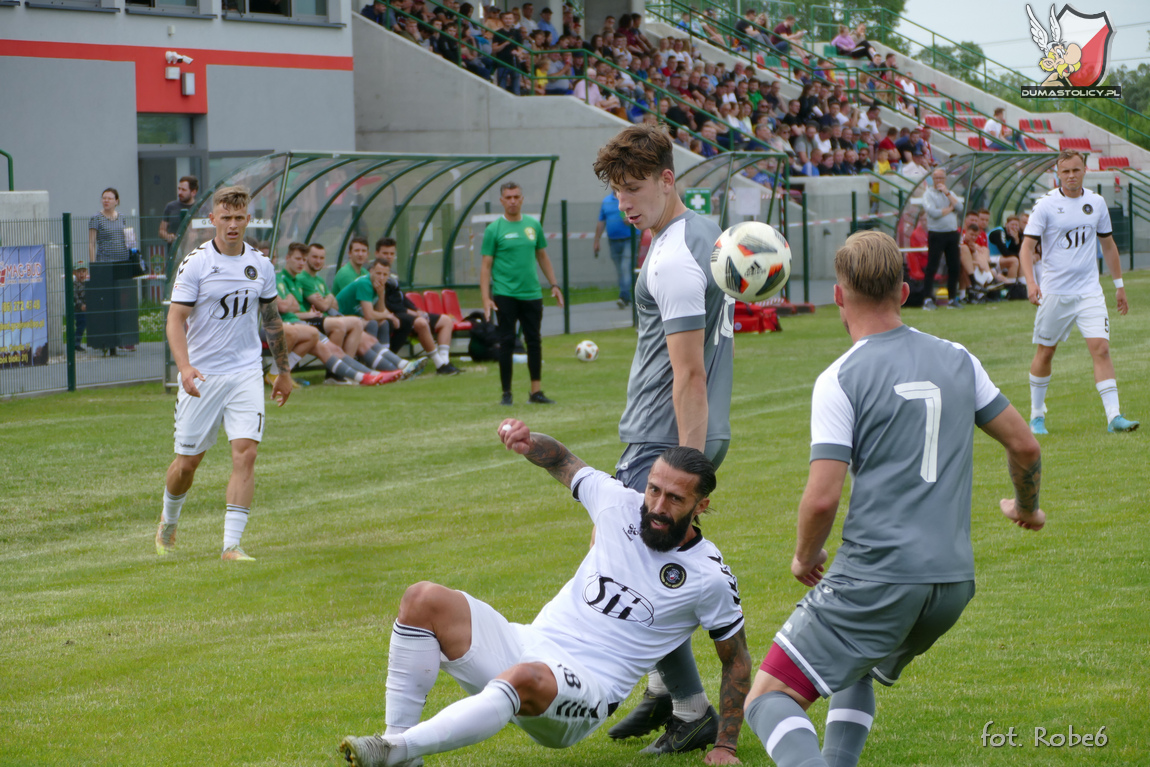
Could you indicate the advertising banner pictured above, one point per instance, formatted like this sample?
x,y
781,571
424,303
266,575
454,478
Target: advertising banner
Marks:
x,y
23,306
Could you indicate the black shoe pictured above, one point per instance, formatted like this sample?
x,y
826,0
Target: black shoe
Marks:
x,y
683,736
447,369
653,712
507,399
80,348
539,398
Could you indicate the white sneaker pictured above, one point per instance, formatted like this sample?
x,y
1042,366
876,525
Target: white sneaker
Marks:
x,y
412,368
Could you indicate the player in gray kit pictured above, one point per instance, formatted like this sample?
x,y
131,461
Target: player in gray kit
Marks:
x,y
678,393
899,409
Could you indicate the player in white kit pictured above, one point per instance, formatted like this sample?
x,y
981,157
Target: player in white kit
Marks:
x,y
1070,222
222,291
647,583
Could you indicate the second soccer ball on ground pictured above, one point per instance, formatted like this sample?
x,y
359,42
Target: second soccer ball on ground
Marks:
x,y
587,351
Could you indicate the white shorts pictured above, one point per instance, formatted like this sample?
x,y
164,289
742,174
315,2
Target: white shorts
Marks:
x,y
497,645
236,400
1056,314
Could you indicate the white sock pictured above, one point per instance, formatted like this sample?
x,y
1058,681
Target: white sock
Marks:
x,y
463,723
412,666
445,351
293,360
690,708
655,684
172,506
437,359
1038,396
980,276
235,519
1108,390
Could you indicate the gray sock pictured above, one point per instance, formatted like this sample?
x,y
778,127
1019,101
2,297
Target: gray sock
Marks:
x,y
680,673
376,357
785,730
339,368
849,720
356,365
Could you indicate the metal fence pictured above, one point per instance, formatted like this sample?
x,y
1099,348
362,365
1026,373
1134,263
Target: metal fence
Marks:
x,y
69,319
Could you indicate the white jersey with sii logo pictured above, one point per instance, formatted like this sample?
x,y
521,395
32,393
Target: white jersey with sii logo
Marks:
x,y
628,605
1069,229
225,294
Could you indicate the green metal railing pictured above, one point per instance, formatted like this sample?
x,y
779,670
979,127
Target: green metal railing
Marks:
x,y
11,172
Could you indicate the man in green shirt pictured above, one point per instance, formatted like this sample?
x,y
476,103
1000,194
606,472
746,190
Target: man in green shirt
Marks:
x,y
295,281
512,246
356,265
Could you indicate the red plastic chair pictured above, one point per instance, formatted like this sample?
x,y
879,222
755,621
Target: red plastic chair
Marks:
x,y
416,299
1106,163
1081,144
432,301
451,307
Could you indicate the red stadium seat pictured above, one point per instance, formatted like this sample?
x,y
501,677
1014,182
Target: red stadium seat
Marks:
x,y
979,122
937,122
416,299
1035,126
1080,144
977,143
451,307
1106,163
432,301
1034,145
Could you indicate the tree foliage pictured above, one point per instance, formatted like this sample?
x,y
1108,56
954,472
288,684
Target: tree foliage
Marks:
x,y
963,61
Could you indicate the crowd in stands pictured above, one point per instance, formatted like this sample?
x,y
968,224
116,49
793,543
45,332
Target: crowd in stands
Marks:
x,y
356,325
707,107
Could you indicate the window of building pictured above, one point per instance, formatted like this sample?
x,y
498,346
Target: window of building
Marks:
x,y
188,5
164,129
254,10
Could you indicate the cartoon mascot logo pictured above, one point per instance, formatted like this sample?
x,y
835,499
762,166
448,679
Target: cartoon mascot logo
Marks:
x,y
1076,52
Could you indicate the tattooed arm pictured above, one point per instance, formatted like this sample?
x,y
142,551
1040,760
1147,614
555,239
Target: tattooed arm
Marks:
x,y
732,692
541,450
1024,459
277,343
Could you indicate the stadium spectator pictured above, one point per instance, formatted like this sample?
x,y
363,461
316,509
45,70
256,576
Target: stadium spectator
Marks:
x,y
1005,243
710,134
558,74
527,18
941,206
823,140
114,323
794,117
508,49
546,26
855,47
785,36
751,36
608,28
619,234
863,161
638,41
512,247
916,169
376,11
981,275
886,598
79,304
174,211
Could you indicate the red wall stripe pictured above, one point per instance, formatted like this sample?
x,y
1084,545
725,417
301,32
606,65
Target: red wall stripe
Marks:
x,y
154,94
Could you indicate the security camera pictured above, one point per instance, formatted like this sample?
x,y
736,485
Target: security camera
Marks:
x,y
177,58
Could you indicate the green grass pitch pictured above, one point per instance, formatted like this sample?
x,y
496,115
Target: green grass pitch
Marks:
x,y
109,656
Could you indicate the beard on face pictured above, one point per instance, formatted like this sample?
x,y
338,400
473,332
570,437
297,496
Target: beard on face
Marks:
x,y
662,540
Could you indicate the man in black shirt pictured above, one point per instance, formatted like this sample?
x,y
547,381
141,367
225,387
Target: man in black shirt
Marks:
x,y
174,211
507,47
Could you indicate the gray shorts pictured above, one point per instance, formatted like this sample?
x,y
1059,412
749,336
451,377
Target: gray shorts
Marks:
x,y
638,458
846,628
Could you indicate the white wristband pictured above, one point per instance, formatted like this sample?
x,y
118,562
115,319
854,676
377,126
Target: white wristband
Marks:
x,y
1118,284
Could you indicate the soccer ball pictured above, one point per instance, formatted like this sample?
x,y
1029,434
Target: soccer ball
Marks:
x,y
751,261
587,351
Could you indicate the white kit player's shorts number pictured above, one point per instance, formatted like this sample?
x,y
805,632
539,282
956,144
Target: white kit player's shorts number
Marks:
x,y
236,401
1057,314
497,645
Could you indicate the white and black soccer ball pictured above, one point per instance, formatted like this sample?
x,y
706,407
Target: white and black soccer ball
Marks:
x,y
751,261
586,351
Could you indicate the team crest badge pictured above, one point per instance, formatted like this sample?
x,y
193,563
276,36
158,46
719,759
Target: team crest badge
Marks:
x,y
250,272
1075,54
531,234
1088,209
673,576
